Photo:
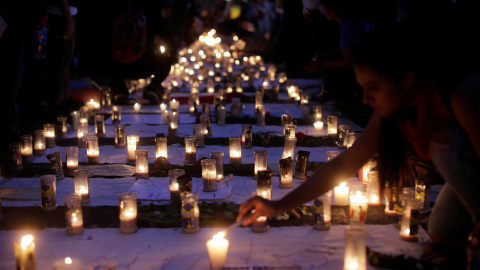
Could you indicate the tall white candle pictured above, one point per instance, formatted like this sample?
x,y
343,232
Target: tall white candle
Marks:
x,y
341,194
217,251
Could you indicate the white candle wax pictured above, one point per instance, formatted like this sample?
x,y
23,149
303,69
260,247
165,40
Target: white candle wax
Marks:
x,y
341,194
163,107
25,253
137,107
358,207
318,125
217,251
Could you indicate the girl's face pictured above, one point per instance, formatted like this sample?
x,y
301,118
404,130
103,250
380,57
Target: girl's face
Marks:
x,y
384,94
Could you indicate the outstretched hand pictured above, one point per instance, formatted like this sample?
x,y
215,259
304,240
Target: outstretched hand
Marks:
x,y
261,206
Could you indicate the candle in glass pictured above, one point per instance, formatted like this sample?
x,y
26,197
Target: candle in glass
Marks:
x,y
222,115
48,185
363,172
332,124
235,109
260,161
209,175
15,156
341,194
235,150
301,165
141,168
358,207
174,104
82,133
247,136
93,150
317,113
217,251
193,101
72,159
82,185
198,133
137,107
373,188
128,212
332,154
285,120
26,142
83,119
120,138
73,214
422,192
355,249
174,189
116,115
190,150
218,156
264,190
391,198
289,130
190,213
206,109
67,264
61,126
161,147
75,118
99,125
260,113
172,123
410,220
258,99
25,253
318,125
342,135
286,169
207,128
407,193
132,146
39,143
49,134
351,138
289,147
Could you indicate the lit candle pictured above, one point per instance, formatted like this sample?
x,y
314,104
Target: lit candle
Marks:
x,y
355,249
26,148
161,147
341,194
82,185
332,124
217,251
190,213
190,150
132,146
163,107
141,164
410,220
49,135
73,214
93,151
136,107
358,207
209,175
67,264
318,125
128,212
25,253
260,161
72,159
174,104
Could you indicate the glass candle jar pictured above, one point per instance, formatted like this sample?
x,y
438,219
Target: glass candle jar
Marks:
x,y
261,224
301,165
247,136
207,128
174,187
342,135
190,213
193,101
206,108
332,124
116,115
422,192
71,153
174,104
141,167
351,138
82,133
332,154
322,209
260,161
15,157
26,142
318,125
75,118
410,220
172,123
235,150
317,113
264,183
407,193
93,150
289,147
120,136
48,185
355,248
209,175
289,130
258,99
260,113
49,134
61,126
39,143
363,172
373,188
198,133
73,214
286,119
391,198
286,169
218,156
132,146
83,119
128,212
161,147
358,207
190,150
236,108
222,115
100,125
82,185
304,99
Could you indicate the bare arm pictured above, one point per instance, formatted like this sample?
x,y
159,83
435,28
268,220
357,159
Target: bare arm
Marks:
x,y
324,179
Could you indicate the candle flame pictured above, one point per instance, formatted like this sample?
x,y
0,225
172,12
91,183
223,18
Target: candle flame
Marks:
x,y
68,260
219,236
353,265
26,241
358,193
162,49
407,232
343,184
